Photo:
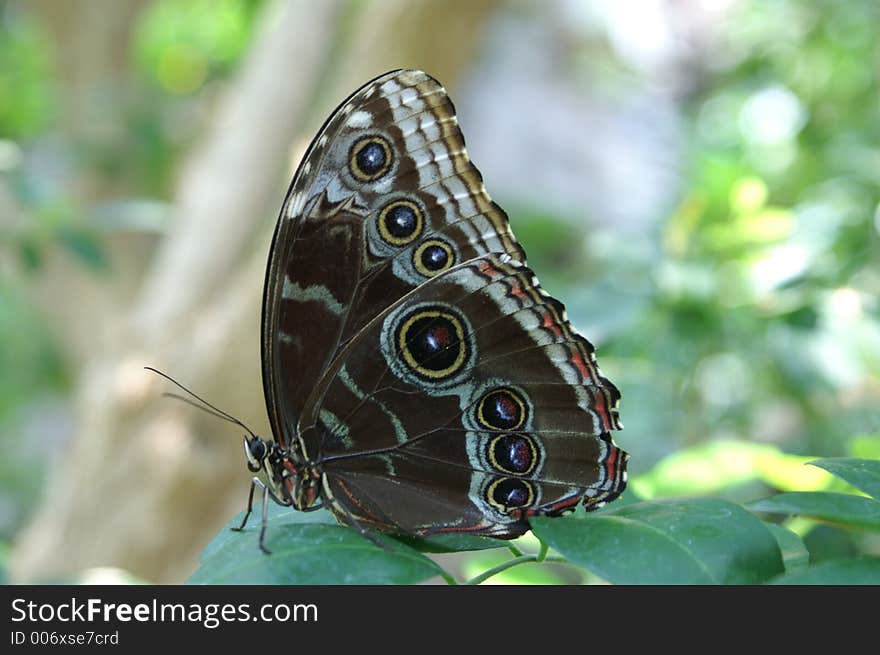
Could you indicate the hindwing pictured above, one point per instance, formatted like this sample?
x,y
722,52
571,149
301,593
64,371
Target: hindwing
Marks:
x,y
473,395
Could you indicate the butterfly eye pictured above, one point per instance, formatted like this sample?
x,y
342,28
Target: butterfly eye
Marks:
x,y
515,454
255,450
502,409
432,257
400,222
510,493
370,158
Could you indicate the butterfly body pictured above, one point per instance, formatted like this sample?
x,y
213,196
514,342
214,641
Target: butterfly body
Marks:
x,y
418,379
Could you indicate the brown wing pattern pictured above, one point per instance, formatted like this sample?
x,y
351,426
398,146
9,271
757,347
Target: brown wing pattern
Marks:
x,y
408,351
477,383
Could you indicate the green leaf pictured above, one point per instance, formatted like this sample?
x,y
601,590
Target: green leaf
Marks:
x,y
277,516
827,542
863,474
702,541
306,549
313,553
825,505
856,571
794,551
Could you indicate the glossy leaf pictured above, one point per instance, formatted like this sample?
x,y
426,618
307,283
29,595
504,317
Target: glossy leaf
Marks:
x,y
825,505
863,474
309,553
856,571
794,552
277,516
702,541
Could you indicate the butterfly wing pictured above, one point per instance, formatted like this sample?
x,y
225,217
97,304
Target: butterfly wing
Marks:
x,y
470,405
384,200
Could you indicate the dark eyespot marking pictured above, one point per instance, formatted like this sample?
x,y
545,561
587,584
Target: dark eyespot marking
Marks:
x,y
510,493
514,454
432,257
432,343
370,158
502,409
400,222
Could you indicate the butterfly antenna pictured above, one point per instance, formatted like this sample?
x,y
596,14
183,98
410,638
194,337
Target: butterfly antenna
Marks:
x,y
195,404
205,406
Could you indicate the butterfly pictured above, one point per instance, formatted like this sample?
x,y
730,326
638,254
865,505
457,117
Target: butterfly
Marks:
x,y
418,379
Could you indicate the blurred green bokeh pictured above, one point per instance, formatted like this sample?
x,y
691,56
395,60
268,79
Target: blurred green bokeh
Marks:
x,y
743,328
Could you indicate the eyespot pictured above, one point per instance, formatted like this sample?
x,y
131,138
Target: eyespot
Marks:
x,y
429,345
370,158
400,222
502,409
431,341
514,454
510,493
433,257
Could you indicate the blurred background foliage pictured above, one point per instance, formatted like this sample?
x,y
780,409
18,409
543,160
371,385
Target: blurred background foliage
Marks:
x,y
722,250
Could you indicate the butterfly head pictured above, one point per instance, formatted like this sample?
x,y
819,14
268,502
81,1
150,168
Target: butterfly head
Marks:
x,y
292,480
255,450
268,456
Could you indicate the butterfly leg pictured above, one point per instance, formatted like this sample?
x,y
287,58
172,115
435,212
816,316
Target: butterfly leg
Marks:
x,y
250,505
265,517
256,482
